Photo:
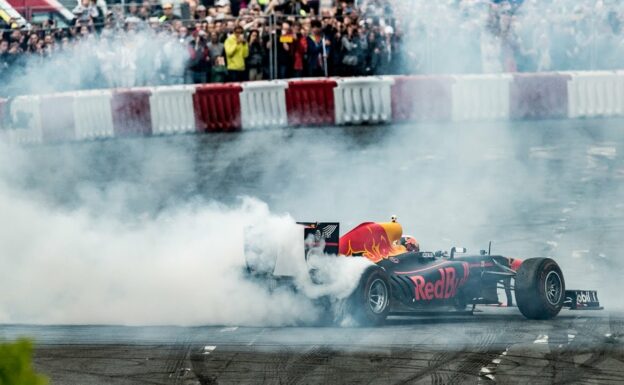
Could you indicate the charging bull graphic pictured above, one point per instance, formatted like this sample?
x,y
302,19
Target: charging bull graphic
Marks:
x,y
375,241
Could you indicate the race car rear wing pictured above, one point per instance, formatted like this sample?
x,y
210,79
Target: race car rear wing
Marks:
x,y
317,234
284,256
582,300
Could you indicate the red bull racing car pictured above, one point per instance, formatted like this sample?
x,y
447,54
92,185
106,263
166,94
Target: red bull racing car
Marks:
x,y
402,279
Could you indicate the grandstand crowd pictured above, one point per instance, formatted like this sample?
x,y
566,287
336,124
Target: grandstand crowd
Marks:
x,y
233,40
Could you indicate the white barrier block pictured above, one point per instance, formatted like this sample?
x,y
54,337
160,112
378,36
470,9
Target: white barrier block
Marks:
x,y
363,100
263,104
595,93
481,97
92,114
172,110
25,120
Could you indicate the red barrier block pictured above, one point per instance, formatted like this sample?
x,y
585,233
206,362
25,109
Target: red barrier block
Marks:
x,y
131,112
217,107
57,117
539,96
417,98
311,102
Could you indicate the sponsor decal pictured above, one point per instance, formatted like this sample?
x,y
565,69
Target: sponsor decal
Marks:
x,y
482,264
585,297
394,259
444,287
329,230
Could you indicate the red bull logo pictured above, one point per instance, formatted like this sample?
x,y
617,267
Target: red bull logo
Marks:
x,y
443,288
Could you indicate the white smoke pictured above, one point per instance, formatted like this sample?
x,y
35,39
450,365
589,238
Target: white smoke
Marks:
x,y
182,266
110,60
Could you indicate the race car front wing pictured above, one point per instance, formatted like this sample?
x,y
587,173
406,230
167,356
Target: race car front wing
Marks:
x,y
582,300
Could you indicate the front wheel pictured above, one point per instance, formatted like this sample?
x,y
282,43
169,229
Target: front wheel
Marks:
x,y
540,288
370,302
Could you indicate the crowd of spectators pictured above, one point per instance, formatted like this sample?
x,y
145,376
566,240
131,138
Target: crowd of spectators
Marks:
x,y
235,40
509,36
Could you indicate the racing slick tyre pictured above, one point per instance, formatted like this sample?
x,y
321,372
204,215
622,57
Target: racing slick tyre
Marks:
x,y
539,288
370,302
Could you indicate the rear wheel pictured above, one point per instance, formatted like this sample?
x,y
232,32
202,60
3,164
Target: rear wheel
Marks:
x,y
540,288
370,302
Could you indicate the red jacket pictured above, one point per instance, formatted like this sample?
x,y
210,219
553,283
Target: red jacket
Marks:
x,y
301,47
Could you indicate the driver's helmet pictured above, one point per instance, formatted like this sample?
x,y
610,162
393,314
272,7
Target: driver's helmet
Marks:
x,y
410,243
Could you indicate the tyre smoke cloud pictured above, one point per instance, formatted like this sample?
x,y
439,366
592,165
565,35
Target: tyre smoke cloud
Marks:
x,y
110,60
182,265
149,231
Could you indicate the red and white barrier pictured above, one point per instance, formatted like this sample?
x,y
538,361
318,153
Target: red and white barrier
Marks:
x,y
93,115
363,100
131,112
171,110
539,96
592,94
422,98
230,107
481,97
310,102
217,107
57,112
263,104
25,120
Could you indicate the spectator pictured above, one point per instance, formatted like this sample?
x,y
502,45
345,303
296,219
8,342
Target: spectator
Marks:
x,y
133,10
201,12
285,51
544,62
4,50
300,50
168,16
145,12
184,36
374,54
218,70
86,11
292,7
199,62
33,39
222,9
215,46
236,51
351,55
50,44
255,60
155,7
4,59
317,50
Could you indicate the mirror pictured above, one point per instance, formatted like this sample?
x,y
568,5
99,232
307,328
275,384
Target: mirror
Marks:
x,y
456,250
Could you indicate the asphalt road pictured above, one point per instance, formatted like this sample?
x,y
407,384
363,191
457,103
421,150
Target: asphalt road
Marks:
x,y
493,345
553,188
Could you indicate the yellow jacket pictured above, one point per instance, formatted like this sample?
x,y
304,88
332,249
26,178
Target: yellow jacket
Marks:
x,y
235,53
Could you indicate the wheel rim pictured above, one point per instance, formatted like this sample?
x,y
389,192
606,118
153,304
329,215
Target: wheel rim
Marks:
x,y
553,288
378,296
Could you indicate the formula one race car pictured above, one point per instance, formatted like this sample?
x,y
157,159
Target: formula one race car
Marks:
x,y
404,280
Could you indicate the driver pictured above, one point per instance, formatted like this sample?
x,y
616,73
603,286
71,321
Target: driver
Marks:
x,y
410,243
